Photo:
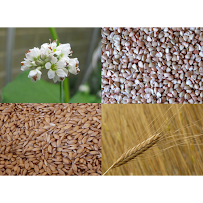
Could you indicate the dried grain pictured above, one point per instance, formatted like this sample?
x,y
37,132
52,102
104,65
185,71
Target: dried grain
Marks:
x,y
50,139
139,62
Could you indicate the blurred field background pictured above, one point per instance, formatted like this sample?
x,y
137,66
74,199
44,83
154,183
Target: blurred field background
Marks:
x,y
180,152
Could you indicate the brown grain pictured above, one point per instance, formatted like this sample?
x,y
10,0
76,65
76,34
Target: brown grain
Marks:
x,y
135,151
50,139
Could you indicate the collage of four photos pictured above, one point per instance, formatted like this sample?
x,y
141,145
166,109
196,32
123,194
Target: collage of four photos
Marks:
x,y
110,101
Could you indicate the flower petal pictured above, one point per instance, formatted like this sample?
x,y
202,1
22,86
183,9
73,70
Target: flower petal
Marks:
x,y
51,74
33,80
35,75
55,79
53,60
74,66
48,65
61,73
64,49
39,73
23,68
32,73
74,70
61,64
33,53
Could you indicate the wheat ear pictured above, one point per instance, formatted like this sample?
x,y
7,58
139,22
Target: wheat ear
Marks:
x,y
135,151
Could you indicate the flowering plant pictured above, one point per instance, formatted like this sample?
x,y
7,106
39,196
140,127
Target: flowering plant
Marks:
x,y
54,58
57,63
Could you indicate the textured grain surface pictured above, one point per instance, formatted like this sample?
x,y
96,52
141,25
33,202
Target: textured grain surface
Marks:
x,y
152,65
50,139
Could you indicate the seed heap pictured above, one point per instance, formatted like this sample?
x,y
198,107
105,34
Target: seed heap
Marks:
x,y
50,139
152,65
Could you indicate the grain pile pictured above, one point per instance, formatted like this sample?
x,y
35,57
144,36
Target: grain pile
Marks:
x,y
152,65
50,139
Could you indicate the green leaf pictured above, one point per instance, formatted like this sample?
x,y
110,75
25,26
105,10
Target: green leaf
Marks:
x,y
23,90
81,97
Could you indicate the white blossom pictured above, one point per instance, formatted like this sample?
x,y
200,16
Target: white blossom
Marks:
x,y
64,50
26,65
54,58
57,70
33,54
73,65
58,75
35,75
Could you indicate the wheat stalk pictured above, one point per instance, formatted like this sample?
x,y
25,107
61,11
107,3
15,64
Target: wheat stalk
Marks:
x,y
135,151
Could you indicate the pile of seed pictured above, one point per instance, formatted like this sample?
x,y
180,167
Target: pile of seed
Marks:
x,y
50,139
152,65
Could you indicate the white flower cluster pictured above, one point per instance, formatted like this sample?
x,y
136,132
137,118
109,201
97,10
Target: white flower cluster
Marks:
x,y
53,58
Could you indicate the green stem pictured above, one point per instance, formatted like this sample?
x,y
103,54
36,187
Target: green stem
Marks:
x,y
54,34
66,90
64,86
61,92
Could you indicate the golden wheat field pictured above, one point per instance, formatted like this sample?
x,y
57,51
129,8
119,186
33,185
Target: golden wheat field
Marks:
x,y
178,151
